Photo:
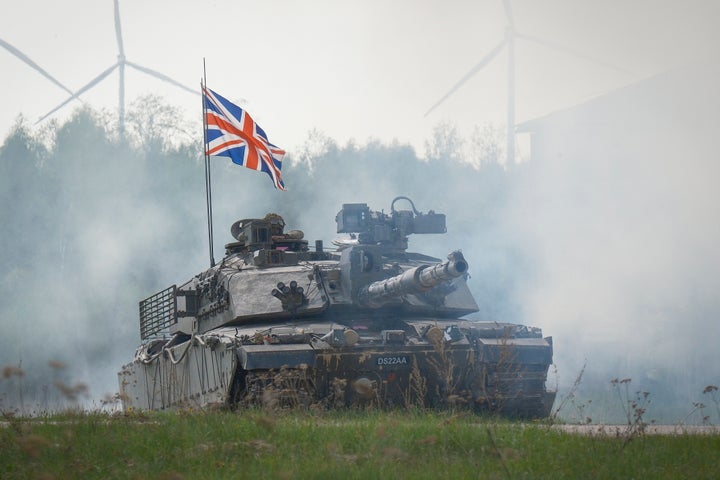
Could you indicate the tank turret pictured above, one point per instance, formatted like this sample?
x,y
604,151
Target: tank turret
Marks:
x,y
277,323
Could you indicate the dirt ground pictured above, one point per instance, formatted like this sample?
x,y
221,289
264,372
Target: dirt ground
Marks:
x,y
622,430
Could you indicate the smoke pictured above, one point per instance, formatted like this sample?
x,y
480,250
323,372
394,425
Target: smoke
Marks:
x,y
620,210
91,227
606,238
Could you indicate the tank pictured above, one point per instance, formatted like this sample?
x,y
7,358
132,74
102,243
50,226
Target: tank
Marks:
x,y
279,324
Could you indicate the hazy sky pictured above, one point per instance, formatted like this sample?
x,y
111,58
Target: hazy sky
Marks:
x,y
353,69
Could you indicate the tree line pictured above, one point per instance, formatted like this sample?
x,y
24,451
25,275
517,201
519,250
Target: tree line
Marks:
x,y
94,222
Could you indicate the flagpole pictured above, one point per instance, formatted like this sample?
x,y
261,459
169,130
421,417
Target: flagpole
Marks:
x,y
208,189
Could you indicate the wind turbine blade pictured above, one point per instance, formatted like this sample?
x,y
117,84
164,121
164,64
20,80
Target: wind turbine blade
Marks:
x,y
118,32
32,64
574,52
493,53
75,95
162,77
508,13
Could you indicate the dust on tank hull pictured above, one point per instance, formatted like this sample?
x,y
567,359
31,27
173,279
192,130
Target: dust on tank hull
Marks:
x,y
278,324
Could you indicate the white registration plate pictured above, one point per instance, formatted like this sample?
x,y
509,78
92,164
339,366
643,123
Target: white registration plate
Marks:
x,y
392,360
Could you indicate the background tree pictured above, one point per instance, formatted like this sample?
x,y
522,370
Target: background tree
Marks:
x,y
487,146
446,145
99,223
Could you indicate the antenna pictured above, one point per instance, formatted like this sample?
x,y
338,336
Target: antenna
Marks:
x,y
509,41
208,182
121,63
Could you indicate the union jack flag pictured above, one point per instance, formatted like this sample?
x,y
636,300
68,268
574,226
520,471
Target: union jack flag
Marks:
x,y
231,132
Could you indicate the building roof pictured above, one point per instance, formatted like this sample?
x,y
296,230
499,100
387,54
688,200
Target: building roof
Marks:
x,y
681,94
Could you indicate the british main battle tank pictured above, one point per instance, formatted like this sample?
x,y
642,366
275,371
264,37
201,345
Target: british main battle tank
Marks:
x,y
277,324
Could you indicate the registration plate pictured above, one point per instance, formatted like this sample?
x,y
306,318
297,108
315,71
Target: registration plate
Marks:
x,y
392,360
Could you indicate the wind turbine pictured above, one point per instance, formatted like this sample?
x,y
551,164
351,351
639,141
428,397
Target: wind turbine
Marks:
x,y
32,64
120,65
509,41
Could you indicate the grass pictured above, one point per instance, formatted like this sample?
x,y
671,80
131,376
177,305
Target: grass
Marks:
x,y
346,444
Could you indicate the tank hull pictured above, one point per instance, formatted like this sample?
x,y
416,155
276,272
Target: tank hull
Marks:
x,y
473,365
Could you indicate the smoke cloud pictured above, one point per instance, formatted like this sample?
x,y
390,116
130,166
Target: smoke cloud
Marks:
x,y
620,212
606,238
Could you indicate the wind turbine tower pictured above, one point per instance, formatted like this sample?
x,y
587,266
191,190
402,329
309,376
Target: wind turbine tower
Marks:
x,y
511,34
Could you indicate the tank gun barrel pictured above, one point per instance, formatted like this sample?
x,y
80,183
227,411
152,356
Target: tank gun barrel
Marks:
x,y
415,280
